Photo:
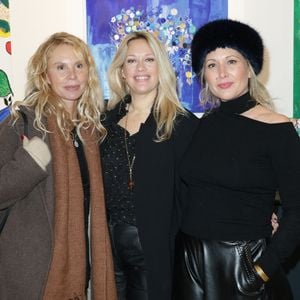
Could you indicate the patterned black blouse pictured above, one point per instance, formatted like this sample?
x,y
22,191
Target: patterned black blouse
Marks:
x,y
119,200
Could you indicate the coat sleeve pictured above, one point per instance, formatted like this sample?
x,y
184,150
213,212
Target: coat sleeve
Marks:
x,y
19,173
285,154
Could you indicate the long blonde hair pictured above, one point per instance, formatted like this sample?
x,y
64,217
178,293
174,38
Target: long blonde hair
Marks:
x,y
41,98
167,105
257,91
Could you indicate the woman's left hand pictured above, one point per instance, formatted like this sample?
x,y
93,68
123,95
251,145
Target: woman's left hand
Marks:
x,y
275,224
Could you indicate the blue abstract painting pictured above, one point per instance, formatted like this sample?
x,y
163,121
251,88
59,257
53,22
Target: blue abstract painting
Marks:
x,y
173,22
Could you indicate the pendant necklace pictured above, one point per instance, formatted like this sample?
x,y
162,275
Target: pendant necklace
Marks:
x,y
74,137
130,163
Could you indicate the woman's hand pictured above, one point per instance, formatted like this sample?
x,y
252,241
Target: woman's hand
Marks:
x,y
38,150
274,222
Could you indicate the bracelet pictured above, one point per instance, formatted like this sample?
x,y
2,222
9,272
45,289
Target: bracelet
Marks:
x,y
261,273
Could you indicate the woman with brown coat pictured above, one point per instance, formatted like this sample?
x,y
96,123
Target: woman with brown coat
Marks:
x,y
55,242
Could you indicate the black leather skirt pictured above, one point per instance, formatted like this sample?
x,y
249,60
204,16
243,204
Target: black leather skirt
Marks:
x,y
219,270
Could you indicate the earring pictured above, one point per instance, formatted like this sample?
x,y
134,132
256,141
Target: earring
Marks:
x,y
123,76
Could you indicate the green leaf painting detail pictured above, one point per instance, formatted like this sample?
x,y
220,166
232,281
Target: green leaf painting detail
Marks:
x,y
5,88
296,59
5,2
4,26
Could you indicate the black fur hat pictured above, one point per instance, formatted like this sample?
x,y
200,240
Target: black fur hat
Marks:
x,y
227,33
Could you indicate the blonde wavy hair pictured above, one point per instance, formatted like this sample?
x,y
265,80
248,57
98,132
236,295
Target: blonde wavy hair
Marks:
x,y
166,105
257,90
44,102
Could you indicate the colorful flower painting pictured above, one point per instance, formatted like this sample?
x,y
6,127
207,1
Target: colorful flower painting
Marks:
x,y
173,22
6,94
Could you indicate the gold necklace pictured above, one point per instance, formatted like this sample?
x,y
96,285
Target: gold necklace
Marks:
x,y
130,163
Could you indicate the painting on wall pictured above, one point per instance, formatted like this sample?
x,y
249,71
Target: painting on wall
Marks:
x,y
173,22
297,59
6,94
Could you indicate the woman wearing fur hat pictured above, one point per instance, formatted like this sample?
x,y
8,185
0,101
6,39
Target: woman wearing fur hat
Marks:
x,y
241,154
52,183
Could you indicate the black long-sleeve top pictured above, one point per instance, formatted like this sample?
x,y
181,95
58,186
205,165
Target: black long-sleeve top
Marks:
x,y
233,168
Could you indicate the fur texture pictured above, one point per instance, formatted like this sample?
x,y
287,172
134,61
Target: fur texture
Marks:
x,y
226,33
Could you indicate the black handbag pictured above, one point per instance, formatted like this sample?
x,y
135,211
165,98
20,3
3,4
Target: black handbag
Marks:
x,y
5,212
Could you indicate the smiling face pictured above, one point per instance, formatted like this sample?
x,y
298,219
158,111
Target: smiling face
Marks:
x,y
67,74
227,73
140,69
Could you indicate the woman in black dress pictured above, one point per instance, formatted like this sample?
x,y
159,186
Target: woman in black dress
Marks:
x,y
241,154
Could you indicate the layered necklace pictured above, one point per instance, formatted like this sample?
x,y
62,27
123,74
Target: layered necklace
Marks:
x,y
129,160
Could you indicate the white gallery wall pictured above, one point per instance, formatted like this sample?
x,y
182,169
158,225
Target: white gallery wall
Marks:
x,y
32,21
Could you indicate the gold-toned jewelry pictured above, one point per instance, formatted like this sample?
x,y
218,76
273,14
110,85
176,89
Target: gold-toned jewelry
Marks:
x,y
261,273
130,163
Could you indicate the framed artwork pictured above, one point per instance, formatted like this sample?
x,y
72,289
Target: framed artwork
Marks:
x,y
173,22
296,59
6,94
